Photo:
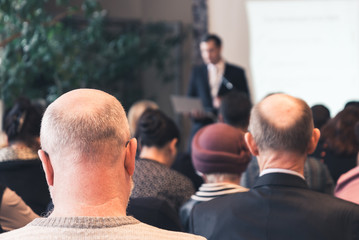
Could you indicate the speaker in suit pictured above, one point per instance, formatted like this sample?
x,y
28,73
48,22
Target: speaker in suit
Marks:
x,y
234,78
213,79
280,205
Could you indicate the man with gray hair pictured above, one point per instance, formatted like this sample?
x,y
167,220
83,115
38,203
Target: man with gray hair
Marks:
x,y
280,205
88,159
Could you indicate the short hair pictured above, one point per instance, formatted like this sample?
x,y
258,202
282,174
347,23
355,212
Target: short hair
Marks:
x,y
321,115
292,138
235,109
86,132
136,111
352,104
154,128
22,121
212,37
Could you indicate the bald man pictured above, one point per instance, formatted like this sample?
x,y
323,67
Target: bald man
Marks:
x,y
89,159
280,206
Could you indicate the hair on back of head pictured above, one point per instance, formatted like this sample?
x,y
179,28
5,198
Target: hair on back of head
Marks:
x,y
321,115
154,128
294,138
339,132
22,121
235,109
352,104
212,37
86,133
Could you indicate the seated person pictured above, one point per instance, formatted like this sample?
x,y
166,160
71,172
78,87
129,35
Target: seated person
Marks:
x,y
321,115
158,138
235,110
338,147
280,205
89,158
348,184
20,166
220,155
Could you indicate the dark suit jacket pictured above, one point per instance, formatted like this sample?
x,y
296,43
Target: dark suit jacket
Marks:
x,y
279,207
233,78
199,83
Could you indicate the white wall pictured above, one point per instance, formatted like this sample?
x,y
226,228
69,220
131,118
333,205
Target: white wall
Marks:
x,y
228,19
309,49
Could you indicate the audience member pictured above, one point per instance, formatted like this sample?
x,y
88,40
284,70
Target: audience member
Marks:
x,y
136,111
14,213
158,138
352,104
20,167
338,146
88,158
220,155
348,184
280,206
321,115
235,110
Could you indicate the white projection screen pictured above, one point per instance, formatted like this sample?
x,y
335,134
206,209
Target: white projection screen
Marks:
x,y
306,48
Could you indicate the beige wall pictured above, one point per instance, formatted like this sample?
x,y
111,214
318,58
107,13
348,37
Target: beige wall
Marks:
x,y
154,11
150,10
170,11
228,19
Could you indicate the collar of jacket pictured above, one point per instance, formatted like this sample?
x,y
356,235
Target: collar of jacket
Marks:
x,y
281,179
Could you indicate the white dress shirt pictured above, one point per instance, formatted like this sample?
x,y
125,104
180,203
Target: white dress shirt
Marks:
x,y
215,74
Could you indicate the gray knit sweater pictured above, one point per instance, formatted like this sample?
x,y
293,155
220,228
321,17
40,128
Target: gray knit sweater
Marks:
x,y
92,228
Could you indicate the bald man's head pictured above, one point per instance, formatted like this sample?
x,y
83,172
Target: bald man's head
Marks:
x,y
83,123
282,122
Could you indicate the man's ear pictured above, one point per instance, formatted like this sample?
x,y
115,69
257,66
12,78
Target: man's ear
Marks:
x,y
47,166
313,141
173,145
251,144
130,156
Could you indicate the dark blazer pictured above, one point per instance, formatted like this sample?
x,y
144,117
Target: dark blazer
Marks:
x,y
233,78
279,207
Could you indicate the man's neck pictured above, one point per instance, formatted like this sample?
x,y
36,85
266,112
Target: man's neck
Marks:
x,y
282,160
155,154
87,192
220,61
108,209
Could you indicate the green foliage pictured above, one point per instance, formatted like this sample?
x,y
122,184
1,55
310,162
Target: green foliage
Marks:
x,y
44,56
